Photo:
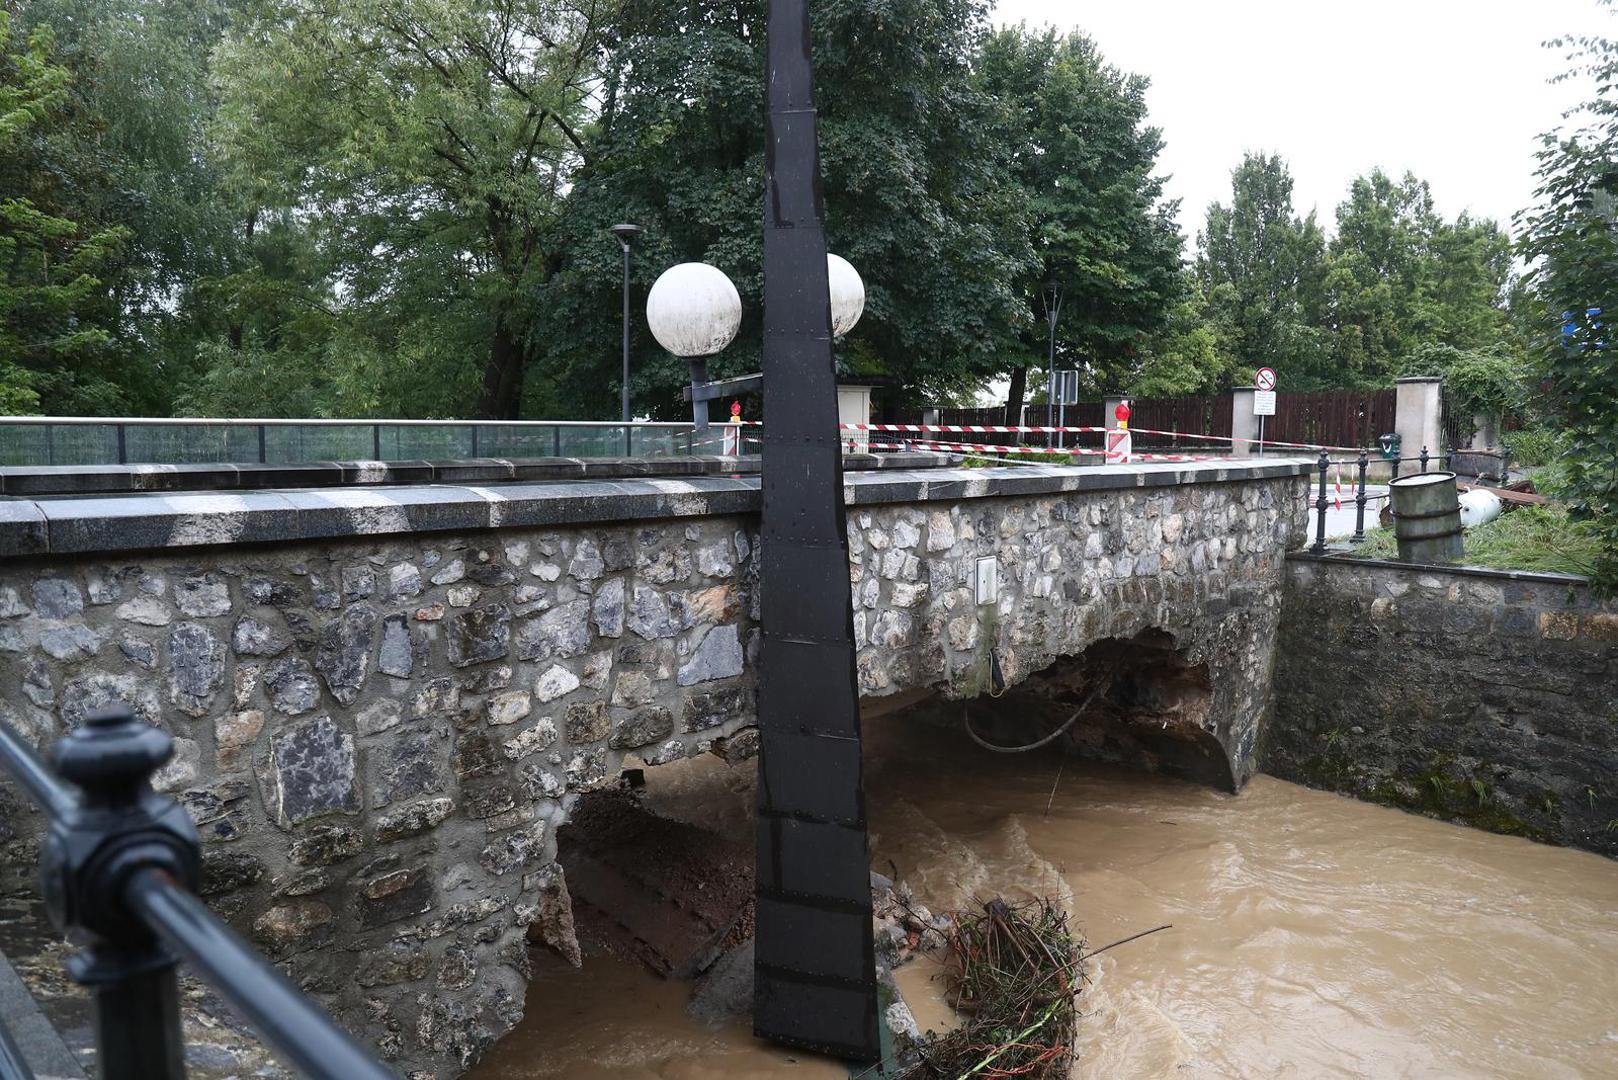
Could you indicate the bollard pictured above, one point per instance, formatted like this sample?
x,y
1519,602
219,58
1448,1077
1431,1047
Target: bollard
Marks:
x,y
1319,546
1424,459
116,829
1359,501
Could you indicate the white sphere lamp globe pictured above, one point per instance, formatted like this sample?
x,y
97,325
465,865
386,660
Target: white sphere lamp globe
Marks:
x,y
847,294
694,310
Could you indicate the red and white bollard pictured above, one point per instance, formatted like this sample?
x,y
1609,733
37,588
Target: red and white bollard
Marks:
x,y
733,431
1119,442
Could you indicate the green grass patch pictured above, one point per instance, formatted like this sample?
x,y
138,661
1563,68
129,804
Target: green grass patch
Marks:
x,y
1527,538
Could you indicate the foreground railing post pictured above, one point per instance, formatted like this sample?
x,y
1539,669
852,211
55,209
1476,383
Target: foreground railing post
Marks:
x,y
1359,500
118,827
1424,459
1319,546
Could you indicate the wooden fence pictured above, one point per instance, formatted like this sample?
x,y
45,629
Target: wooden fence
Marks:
x,y
1328,417
1332,417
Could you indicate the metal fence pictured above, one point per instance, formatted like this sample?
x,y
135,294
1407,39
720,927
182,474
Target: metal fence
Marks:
x,y
53,440
119,869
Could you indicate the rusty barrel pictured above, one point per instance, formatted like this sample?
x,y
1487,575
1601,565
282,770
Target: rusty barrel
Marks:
x,y
1426,517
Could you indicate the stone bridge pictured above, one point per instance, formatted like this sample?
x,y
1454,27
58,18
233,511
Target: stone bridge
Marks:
x,y
386,698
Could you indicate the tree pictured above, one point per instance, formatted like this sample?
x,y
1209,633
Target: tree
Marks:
x,y
1262,269
917,194
57,313
430,147
140,84
1570,240
1085,160
1401,277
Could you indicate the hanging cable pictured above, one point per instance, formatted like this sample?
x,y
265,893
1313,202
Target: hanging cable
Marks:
x,y
966,720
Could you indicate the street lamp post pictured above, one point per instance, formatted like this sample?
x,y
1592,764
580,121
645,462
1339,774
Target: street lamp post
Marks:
x,y
1051,293
626,233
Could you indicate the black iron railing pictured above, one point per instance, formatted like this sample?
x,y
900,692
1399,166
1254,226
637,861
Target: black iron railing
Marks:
x,y
118,870
1321,501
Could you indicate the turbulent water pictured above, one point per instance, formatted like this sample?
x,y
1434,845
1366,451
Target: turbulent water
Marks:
x,y
1313,936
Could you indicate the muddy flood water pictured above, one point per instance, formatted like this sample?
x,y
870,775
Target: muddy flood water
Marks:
x,y
1313,936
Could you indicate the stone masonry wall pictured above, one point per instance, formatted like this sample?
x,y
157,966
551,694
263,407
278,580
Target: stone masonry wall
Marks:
x,y
379,736
1484,697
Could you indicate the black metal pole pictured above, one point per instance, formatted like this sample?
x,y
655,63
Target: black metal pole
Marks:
x,y
294,1025
117,827
1050,379
137,1026
1359,500
698,366
1423,459
19,759
624,390
1319,546
815,961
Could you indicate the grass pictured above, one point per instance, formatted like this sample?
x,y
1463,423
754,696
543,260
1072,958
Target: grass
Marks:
x,y
1527,538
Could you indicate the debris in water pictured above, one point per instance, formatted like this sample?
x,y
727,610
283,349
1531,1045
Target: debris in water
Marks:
x,y
1014,971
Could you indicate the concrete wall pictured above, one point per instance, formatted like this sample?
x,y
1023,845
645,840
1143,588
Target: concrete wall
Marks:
x,y
1480,696
383,714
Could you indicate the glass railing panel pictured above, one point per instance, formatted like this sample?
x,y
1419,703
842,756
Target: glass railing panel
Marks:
x,y
518,441
300,443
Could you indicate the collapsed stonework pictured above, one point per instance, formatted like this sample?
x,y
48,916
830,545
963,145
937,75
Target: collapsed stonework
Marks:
x,y
379,733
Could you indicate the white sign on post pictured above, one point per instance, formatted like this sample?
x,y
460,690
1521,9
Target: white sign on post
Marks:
x,y
1263,400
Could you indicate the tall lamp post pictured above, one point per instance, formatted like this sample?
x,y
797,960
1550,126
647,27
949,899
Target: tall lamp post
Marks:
x,y
1051,294
626,233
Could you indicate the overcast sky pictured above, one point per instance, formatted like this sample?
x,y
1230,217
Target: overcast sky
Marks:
x,y
1453,90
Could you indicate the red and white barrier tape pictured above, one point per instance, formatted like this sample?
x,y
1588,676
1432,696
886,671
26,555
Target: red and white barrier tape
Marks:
x,y
987,429
996,448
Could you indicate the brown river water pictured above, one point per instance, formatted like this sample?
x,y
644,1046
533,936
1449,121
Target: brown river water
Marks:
x,y
1313,936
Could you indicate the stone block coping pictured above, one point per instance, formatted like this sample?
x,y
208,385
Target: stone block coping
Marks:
x,y
33,480
1540,577
73,525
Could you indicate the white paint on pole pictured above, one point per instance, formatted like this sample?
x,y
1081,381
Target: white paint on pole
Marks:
x,y
1264,403
847,294
694,310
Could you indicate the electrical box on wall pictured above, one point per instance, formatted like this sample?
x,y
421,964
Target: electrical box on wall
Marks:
x,y
988,580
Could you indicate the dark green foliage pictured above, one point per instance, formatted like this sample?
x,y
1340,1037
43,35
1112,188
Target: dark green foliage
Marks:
x,y
61,243
1571,240
1085,161
1353,311
917,195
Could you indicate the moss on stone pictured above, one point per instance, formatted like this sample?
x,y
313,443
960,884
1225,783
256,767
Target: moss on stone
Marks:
x,y
1469,800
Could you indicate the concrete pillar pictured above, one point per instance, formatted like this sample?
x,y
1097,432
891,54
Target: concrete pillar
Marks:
x,y
1417,416
1243,424
1485,432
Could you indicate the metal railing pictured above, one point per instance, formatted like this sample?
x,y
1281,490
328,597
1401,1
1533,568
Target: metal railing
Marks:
x,y
94,440
1321,502
118,870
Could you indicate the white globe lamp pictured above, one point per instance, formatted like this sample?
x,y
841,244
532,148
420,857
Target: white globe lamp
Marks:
x,y
694,310
847,294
